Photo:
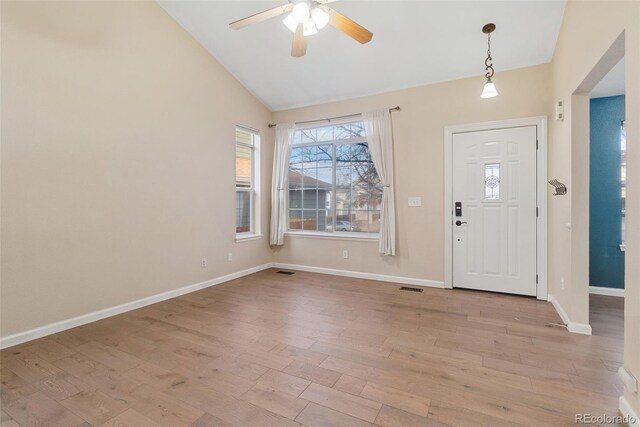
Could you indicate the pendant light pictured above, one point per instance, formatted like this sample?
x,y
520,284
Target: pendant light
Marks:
x,y
489,90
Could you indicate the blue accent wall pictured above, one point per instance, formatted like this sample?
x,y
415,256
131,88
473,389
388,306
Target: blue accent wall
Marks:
x,y
606,260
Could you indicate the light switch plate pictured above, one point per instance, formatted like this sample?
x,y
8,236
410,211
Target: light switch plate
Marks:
x,y
415,201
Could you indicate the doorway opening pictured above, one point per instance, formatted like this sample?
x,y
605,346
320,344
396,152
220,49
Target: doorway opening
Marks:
x,y
596,196
607,207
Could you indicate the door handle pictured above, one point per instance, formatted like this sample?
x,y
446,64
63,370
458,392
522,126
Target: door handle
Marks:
x,y
459,223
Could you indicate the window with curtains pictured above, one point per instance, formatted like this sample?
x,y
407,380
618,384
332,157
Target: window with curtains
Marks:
x,y
247,168
333,185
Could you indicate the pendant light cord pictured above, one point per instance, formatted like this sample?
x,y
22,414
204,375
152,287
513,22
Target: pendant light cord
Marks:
x,y
489,61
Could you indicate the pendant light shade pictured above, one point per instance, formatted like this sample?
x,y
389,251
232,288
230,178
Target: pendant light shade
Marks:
x,y
309,28
301,11
291,22
320,17
489,90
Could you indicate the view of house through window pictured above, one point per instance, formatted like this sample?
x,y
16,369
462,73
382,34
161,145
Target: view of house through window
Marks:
x,y
246,141
333,185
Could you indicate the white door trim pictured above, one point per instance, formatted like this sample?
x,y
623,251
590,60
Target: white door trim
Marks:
x,y
541,183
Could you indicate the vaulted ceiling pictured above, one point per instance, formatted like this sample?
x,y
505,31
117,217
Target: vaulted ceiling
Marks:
x,y
414,43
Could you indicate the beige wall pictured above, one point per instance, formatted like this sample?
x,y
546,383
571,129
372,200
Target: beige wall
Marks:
x,y
117,159
419,156
588,30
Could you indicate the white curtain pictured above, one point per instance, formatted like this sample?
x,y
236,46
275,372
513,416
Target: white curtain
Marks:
x,y
380,139
284,133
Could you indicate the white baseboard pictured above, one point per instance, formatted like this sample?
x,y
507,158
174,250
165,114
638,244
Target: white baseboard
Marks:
x,y
630,382
576,328
631,418
612,292
362,275
42,331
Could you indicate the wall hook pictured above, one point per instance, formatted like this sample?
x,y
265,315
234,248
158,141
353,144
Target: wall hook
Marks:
x,y
561,189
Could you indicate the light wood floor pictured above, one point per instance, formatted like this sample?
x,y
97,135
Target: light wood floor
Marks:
x,y
317,350
606,315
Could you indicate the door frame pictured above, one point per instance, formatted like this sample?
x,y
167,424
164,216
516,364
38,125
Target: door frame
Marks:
x,y
541,192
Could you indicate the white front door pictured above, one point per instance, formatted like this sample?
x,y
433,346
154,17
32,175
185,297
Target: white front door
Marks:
x,y
494,220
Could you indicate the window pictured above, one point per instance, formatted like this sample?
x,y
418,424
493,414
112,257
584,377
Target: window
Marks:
x,y
492,181
623,178
247,168
333,185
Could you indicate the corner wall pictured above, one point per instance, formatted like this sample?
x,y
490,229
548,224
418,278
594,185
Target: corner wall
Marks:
x,y
577,53
117,160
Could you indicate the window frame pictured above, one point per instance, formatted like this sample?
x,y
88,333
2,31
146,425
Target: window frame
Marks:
x,y
342,235
254,187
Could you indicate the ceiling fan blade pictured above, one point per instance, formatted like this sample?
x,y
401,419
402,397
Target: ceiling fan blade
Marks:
x,y
262,16
349,27
299,47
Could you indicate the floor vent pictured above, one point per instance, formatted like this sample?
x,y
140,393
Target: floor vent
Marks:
x,y
406,288
287,273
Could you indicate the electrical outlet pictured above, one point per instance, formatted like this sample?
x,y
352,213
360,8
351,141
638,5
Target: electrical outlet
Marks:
x,y
415,201
230,256
203,262
562,283
345,254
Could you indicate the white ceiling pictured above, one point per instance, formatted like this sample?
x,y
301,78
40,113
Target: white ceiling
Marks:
x,y
414,43
612,84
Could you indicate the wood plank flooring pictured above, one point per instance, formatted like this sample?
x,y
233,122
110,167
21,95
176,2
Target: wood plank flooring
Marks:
x,y
318,350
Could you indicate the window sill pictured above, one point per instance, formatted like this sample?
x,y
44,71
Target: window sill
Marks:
x,y
247,237
623,246
373,237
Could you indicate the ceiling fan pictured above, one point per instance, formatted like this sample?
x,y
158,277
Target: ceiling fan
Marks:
x,y
305,18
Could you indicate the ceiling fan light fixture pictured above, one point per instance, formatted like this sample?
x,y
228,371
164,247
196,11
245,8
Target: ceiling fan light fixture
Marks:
x,y
306,18
320,17
301,11
291,22
309,28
